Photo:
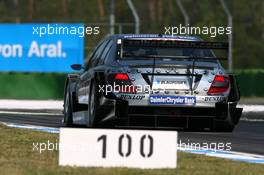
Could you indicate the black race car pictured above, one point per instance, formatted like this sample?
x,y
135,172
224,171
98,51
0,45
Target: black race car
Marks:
x,y
153,81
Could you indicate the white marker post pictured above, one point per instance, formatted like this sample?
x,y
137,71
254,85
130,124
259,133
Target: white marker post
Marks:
x,y
118,148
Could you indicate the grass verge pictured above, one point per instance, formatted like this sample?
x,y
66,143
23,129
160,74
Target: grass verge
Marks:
x,y
17,157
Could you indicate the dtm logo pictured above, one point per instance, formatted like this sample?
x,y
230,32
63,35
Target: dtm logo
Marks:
x,y
172,100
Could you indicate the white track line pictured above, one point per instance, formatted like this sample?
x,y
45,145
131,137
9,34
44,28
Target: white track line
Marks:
x,y
31,104
30,113
233,155
252,120
32,127
251,108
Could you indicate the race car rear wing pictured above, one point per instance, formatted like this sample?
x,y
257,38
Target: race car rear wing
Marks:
x,y
175,43
172,43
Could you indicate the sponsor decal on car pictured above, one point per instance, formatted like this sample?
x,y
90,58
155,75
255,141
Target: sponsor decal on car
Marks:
x,y
217,99
173,100
132,97
171,82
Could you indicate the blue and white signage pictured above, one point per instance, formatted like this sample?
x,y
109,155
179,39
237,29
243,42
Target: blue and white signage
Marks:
x,y
172,100
40,47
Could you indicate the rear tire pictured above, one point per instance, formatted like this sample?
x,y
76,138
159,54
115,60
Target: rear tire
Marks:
x,y
93,105
67,111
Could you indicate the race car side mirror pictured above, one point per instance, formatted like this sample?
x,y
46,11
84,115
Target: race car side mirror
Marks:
x,y
76,66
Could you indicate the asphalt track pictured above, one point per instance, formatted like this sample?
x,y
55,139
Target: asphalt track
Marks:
x,y
248,137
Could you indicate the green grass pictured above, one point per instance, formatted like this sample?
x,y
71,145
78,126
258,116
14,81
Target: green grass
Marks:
x,y
18,158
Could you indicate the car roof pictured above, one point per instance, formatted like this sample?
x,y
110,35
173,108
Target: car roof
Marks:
x,y
155,36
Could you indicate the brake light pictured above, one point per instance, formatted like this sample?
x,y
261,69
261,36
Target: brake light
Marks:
x,y
121,83
219,78
121,76
219,85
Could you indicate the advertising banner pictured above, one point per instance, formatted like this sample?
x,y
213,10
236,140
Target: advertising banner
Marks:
x,y
40,47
